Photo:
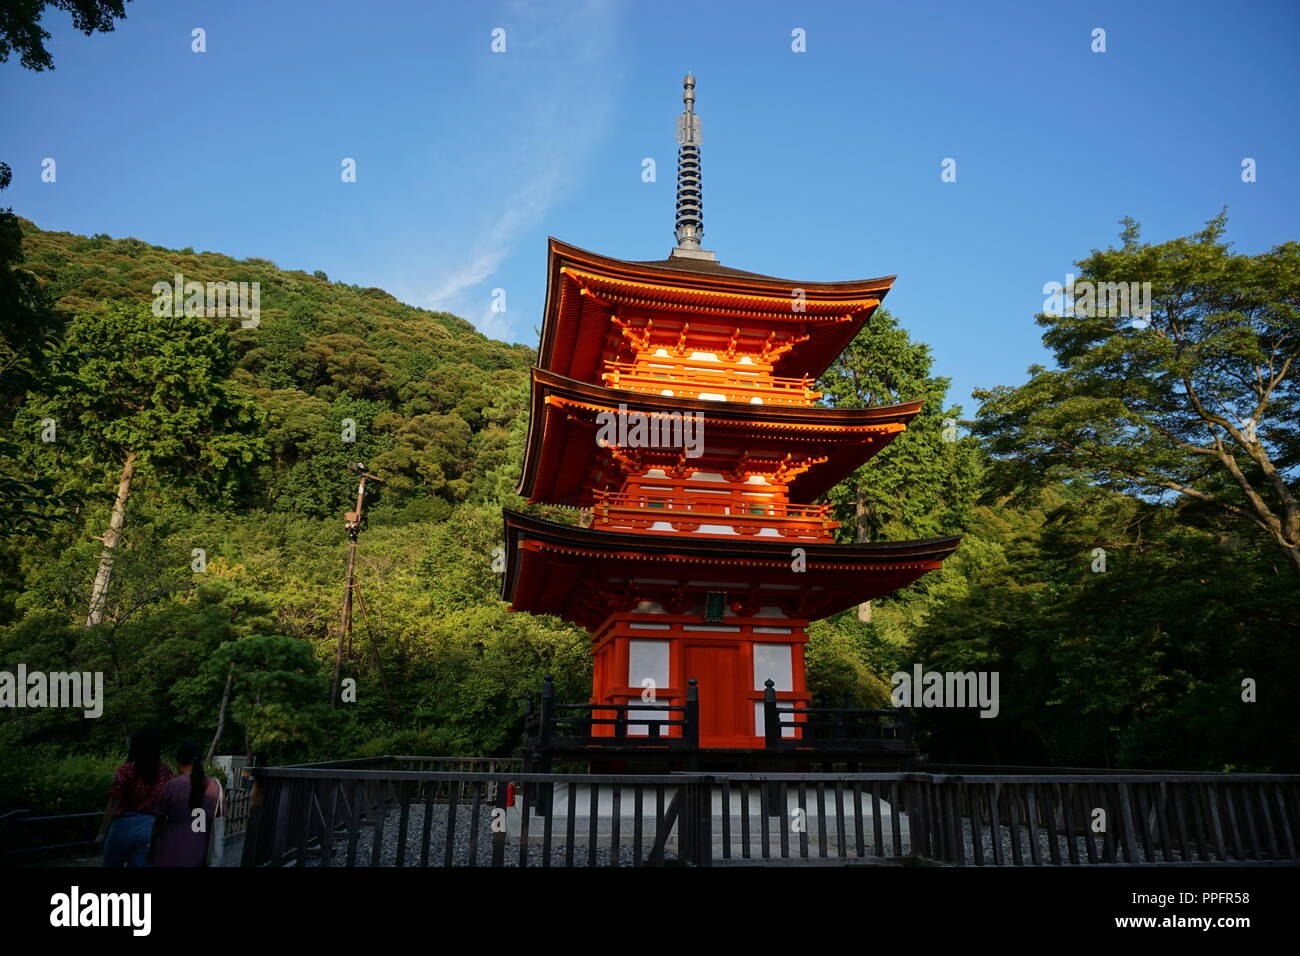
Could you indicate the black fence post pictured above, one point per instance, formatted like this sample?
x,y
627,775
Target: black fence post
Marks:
x,y
692,729
905,726
546,720
526,751
696,821
771,716
499,835
253,828
686,821
917,820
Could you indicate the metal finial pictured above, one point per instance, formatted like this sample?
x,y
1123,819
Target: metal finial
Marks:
x,y
690,205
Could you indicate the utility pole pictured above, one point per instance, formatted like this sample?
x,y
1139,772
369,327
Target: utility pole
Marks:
x,y
352,524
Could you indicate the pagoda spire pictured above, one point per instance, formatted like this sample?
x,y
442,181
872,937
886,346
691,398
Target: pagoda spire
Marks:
x,y
690,204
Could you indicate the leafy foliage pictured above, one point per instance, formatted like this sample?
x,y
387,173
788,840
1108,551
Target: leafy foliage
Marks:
x,y
1198,401
21,31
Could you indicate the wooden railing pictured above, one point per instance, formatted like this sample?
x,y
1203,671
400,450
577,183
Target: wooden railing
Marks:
x,y
306,816
692,382
686,513
834,728
27,837
558,726
1132,819
332,817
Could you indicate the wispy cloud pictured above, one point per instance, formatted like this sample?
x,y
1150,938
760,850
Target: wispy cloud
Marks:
x,y
555,79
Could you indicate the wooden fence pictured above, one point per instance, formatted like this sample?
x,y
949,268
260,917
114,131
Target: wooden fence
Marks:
x,y
27,838
386,816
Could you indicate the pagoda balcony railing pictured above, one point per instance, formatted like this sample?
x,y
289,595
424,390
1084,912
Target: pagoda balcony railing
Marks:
x,y
560,726
693,382
834,727
640,511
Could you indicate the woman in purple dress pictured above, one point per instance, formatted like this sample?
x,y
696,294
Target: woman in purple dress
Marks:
x,y
186,808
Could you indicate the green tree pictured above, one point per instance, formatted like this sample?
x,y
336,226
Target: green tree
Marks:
x,y
150,392
921,483
1199,400
21,32
28,327
28,331
269,685
1137,663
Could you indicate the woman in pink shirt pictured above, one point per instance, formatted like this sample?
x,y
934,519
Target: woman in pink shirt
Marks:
x,y
128,818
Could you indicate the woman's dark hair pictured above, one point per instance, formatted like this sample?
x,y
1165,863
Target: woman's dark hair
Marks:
x,y
145,753
188,752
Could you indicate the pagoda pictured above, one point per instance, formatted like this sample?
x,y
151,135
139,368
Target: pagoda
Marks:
x,y
673,407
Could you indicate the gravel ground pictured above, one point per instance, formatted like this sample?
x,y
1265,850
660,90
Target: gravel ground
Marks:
x,y
464,840
1063,844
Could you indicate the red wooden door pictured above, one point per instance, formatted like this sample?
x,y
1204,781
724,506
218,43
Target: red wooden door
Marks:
x,y
717,674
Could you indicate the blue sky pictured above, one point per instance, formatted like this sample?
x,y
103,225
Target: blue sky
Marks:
x,y
820,166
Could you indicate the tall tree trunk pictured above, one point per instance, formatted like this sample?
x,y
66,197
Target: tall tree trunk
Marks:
x,y
221,713
99,594
860,512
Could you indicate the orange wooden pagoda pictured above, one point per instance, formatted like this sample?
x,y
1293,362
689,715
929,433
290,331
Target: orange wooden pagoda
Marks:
x,y
673,403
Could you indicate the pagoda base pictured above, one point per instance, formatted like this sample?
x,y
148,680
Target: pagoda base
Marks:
x,y
649,760
729,659
755,813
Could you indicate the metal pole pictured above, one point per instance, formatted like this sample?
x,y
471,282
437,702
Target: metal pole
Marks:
x,y
374,652
352,523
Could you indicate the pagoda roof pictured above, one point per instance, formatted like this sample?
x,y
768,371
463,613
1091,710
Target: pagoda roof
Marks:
x,y
570,572
583,287
562,452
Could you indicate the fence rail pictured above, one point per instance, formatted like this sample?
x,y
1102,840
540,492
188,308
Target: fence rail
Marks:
x,y
26,837
818,733
1073,819
557,726
307,816
790,726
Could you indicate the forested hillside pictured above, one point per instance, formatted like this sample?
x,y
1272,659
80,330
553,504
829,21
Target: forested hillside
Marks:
x,y
227,579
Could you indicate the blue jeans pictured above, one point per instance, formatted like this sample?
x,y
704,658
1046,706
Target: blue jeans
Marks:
x,y
127,840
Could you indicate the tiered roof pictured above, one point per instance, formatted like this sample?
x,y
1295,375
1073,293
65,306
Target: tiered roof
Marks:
x,y
591,297
819,447
739,352
579,574
594,304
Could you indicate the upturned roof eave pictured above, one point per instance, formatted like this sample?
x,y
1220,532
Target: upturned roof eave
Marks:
x,y
934,549
822,559
545,383
555,383
692,274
